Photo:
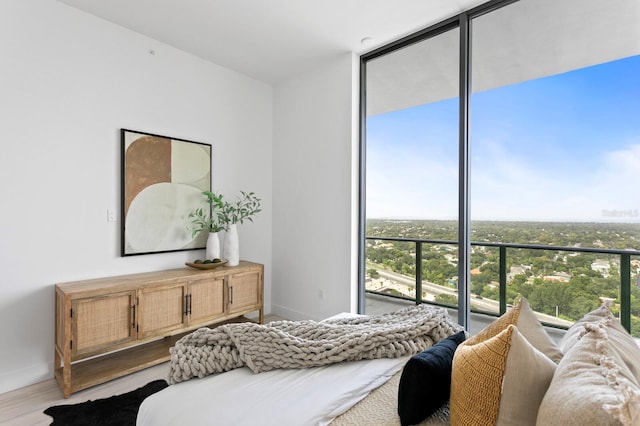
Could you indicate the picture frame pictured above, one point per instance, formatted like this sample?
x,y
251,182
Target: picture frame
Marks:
x,y
162,180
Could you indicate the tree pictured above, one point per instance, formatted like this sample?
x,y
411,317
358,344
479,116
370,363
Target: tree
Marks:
x,y
519,280
491,268
447,299
547,296
476,287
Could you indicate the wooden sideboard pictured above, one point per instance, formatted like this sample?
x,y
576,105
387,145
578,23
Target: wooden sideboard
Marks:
x,y
109,327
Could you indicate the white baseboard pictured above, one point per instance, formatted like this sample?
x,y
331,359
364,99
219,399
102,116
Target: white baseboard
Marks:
x,y
290,314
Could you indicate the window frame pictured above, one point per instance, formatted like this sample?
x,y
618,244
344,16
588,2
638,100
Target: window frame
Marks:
x,y
463,22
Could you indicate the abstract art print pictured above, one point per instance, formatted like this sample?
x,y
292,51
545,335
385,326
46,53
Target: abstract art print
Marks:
x,y
162,181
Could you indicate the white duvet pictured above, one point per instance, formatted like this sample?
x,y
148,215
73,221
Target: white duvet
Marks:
x,y
313,396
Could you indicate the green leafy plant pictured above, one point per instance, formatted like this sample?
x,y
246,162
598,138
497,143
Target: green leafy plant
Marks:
x,y
212,221
247,206
222,213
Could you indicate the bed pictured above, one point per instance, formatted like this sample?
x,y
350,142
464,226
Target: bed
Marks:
x,y
352,392
509,373
316,396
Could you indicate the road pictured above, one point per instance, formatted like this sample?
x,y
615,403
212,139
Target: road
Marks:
x,y
433,290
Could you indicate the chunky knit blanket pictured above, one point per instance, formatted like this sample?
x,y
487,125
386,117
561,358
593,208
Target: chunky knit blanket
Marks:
x,y
302,344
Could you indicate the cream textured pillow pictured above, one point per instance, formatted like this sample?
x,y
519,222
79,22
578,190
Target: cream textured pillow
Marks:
x,y
498,381
522,316
574,332
617,337
592,384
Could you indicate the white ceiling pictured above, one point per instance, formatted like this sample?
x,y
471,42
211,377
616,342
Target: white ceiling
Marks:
x,y
526,40
272,40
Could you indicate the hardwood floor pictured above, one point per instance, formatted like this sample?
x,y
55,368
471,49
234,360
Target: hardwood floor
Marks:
x,y
25,406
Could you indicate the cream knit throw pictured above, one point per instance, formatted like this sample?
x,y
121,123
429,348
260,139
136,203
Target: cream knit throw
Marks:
x,y
302,344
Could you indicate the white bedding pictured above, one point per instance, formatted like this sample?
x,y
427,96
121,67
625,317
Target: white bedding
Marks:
x,y
313,396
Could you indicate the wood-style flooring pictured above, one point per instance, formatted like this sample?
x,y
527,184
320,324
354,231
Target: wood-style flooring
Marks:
x,y
25,406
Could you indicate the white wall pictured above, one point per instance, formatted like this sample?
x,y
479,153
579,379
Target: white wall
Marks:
x,y
313,192
68,83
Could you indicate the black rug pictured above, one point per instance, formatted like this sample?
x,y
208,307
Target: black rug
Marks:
x,y
118,410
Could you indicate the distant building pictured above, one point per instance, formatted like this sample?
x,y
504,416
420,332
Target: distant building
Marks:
x,y
601,266
561,277
517,270
451,259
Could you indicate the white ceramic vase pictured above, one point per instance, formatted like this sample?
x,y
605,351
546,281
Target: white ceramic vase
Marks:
x,y
232,246
213,246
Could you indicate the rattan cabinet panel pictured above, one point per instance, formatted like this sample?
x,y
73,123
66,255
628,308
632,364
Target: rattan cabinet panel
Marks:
x,y
206,300
245,291
108,327
161,309
101,322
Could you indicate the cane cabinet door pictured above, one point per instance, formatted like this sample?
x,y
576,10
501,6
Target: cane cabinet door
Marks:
x,y
205,300
245,290
102,321
162,309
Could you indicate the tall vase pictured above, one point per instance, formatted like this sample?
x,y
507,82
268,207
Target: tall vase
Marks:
x,y
213,246
232,245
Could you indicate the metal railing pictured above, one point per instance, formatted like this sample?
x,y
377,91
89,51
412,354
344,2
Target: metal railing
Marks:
x,y
625,270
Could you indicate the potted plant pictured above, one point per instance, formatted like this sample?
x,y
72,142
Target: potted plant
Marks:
x,y
247,206
212,222
224,215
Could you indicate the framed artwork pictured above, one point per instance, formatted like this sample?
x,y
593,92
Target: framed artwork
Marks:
x,y
162,182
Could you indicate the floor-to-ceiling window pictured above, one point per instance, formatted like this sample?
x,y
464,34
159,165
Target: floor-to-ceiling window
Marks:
x,y
555,153
412,168
554,156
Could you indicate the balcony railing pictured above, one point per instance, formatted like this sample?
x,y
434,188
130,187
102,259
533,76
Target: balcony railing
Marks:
x,y
625,271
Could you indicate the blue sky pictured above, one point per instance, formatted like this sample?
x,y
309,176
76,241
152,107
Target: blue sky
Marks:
x,y
565,147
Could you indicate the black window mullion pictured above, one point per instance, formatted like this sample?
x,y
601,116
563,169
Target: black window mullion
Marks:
x,y
464,221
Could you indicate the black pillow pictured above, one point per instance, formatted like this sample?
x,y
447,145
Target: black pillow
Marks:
x,y
425,383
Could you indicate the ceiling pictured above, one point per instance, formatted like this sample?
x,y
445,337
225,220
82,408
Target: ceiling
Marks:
x,y
273,40
526,40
